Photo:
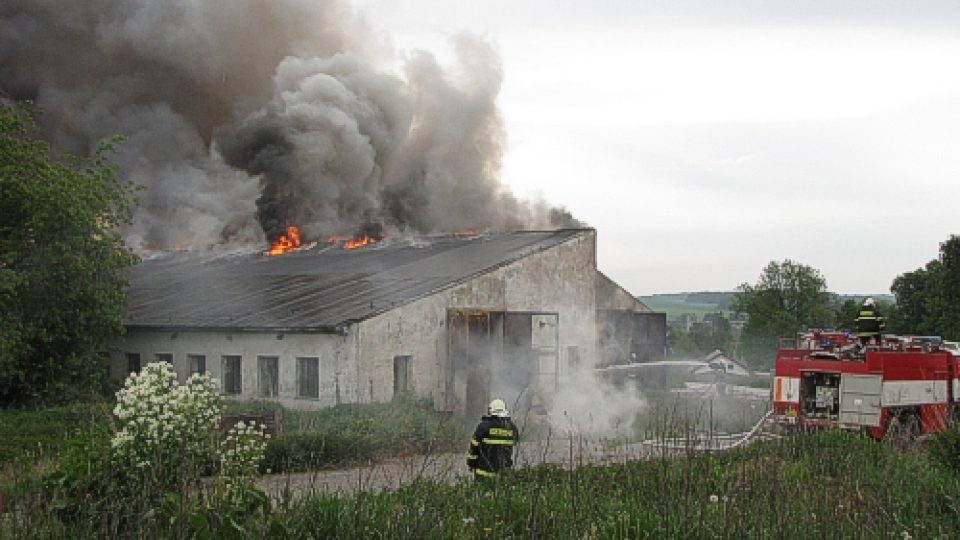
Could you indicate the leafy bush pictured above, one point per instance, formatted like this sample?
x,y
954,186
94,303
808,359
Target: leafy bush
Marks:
x,y
241,407
86,486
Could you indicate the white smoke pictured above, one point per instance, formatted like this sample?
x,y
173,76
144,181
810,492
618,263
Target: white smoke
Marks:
x,y
587,406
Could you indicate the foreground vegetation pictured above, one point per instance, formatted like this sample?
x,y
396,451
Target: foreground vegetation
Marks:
x,y
157,466
831,484
827,485
310,440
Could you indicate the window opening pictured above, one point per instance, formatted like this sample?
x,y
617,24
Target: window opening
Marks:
x,y
308,377
133,363
198,363
401,374
232,376
269,368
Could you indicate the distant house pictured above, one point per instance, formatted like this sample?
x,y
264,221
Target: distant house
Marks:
x,y
717,363
457,319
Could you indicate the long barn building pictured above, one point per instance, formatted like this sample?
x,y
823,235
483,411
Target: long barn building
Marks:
x,y
457,319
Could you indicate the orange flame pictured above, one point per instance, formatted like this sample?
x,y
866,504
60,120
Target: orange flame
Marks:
x,y
359,242
286,243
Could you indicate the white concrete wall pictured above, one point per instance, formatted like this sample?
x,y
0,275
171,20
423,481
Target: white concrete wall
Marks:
x,y
335,352
561,279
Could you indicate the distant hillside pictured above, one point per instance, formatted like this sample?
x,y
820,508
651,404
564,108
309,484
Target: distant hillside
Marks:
x,y
699,303
882,298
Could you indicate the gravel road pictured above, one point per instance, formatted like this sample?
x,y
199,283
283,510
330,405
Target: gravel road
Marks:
x,y
450,467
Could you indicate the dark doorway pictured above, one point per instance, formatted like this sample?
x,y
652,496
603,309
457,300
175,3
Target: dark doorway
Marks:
x,y
513,355
628,337
518,359
470,349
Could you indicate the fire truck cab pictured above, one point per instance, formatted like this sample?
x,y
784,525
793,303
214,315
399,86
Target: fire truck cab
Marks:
x,y
904,384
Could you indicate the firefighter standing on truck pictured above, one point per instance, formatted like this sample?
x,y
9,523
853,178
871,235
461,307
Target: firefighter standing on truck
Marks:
x,y
491,447
869,322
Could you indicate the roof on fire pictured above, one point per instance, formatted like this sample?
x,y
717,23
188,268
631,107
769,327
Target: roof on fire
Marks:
x,y
318,289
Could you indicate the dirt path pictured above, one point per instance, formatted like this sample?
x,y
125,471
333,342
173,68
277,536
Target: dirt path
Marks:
x,y
448,467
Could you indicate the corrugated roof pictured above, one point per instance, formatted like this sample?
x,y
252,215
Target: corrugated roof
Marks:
x,y
320,289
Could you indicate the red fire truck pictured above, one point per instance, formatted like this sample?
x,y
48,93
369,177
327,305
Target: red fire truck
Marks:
x,y
826,379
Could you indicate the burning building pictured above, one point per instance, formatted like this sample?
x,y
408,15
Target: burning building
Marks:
x,y
241,123
455,318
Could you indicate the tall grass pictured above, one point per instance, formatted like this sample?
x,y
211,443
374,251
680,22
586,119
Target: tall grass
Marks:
x,y
829,484
39,433
352,433
819,485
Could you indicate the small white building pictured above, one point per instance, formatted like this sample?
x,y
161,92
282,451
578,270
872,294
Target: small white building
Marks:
x,y
456,319
717,363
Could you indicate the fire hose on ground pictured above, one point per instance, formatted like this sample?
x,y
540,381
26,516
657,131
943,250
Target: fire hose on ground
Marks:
x,y
684,443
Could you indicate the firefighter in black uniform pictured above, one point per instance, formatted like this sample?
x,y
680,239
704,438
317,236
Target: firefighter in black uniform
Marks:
x,y
869,322
491,447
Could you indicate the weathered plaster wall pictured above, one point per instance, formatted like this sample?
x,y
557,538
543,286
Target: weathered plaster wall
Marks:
x,y
335,352
561,279
612,296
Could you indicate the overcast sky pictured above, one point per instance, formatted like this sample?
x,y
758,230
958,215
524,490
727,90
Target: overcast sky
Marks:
x,y
704,139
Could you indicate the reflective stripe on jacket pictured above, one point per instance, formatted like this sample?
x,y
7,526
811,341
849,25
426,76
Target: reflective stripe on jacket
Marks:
x,y
869,322
491,447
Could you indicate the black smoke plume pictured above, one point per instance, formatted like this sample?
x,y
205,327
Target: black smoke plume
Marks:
x,y
246,117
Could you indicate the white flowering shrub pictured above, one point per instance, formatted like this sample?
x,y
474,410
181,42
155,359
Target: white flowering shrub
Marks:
x,y
168,434
241,455
166,430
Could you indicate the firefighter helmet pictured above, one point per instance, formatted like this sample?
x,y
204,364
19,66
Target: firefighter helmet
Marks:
x,y
497,408
869,302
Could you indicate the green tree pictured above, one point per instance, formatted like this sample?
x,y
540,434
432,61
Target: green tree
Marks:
x,y
919,301
928,299
846,313
714,332
61,256
680,343
789,297
950,288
